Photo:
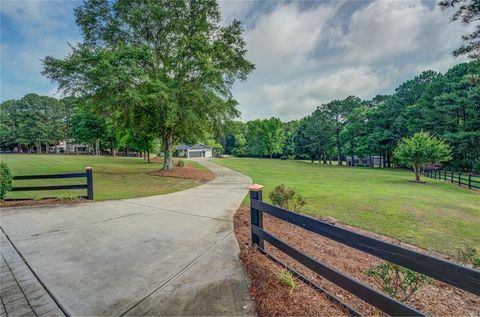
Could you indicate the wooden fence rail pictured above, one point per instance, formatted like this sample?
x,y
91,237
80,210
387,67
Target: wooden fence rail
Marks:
x,y
467,179
88,174
442,270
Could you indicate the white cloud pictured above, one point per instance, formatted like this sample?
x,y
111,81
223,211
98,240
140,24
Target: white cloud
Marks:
x,y
291,100
384,29
286,36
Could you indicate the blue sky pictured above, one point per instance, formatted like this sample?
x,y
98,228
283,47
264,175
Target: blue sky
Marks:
x,y
306,52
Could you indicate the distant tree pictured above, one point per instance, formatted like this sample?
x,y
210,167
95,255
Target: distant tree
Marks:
x,y
88,128
419,150
289,131
32,122
273,135
315,135
468,11
337,112
170,63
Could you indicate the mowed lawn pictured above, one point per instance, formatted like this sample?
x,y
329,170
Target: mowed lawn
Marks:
x,y
113,177
438,216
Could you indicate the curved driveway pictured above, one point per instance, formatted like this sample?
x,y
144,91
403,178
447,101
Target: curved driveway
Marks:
x,y
173,254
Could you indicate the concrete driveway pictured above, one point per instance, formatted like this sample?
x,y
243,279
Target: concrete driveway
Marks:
x,y
172,254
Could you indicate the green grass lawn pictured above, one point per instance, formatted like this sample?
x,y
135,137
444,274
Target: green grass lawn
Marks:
x,y
438,216
113,177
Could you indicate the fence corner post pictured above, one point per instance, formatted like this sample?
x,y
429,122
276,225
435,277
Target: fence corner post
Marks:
x,y
469,180
256,216
89,171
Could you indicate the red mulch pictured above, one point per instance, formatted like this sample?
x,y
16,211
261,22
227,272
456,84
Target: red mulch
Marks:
x,y
40,202
186,172
275,299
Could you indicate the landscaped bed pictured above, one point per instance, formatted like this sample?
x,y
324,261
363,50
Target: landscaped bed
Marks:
x,y
275,299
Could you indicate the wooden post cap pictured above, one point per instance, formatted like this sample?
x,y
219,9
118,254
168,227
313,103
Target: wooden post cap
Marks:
x,y
89,168
255,188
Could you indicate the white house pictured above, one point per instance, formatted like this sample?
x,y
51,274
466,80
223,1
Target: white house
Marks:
x,y
194,151
72,148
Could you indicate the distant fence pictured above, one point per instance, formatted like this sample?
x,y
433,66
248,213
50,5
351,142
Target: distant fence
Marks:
x,y
460,276
88,174
466,179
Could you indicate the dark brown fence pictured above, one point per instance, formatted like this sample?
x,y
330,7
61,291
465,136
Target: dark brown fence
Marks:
x,y
460,276
466,179
88,174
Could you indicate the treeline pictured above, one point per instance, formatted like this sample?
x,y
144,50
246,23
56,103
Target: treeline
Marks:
x,y
447,105
34,123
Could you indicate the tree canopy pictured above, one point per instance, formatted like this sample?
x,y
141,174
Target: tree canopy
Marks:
x,y
419,150
165,65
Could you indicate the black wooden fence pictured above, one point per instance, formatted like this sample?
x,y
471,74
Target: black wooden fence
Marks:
x,y
88,174
467,179
460,276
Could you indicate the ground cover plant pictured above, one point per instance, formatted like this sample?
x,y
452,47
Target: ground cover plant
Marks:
x,y
113,177
437,216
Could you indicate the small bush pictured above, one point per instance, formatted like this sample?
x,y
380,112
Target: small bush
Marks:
x,y
181,163
5,180
397,281
287,198
469,255
286,278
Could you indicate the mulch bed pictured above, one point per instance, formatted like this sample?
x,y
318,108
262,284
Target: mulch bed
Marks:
x,y
40,202
186,172
275,299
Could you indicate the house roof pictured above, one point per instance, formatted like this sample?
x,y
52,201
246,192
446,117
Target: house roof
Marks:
x,y
192,147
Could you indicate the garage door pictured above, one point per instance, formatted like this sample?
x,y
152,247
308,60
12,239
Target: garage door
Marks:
x,y
195,154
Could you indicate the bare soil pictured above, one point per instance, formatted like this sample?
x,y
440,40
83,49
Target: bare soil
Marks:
x,y
40,202
186,172
275,299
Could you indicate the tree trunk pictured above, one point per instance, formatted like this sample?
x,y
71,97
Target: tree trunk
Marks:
x,y
67,148
148,151
389,155
271,155
97,146
76,148
339,150
417,173
167,153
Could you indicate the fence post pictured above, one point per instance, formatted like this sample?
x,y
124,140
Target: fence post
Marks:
x,y
445,175
451,177
459,178
256,216
89,172
469,180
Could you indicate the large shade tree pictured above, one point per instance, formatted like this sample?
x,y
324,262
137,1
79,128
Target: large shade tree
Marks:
x,y
169,62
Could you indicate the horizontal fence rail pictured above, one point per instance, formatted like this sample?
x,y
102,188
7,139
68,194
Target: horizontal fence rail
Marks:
x,y
88,174
466,179
448,272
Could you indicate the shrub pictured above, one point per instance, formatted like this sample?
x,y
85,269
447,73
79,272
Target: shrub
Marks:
x,y
286,278
287,198
5,180
181,163
469,255
397,281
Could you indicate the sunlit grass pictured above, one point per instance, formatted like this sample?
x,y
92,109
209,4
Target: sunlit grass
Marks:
x,y
114,177
437,215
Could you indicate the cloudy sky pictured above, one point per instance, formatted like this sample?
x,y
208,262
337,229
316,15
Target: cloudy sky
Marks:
x,y
305,52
